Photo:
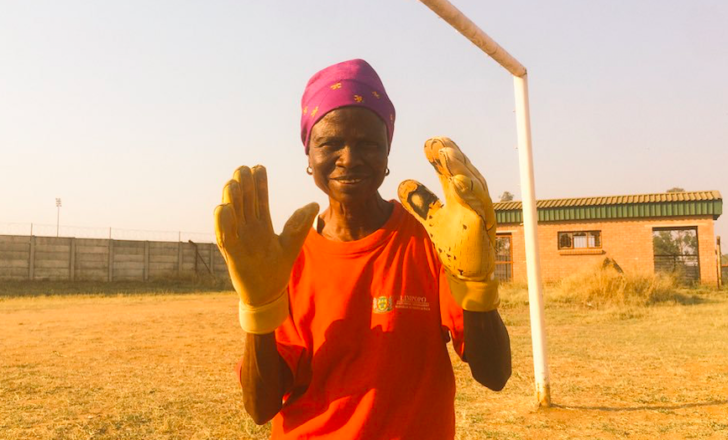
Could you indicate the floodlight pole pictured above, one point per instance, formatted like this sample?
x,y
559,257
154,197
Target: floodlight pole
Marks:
x,y
472,32
58,216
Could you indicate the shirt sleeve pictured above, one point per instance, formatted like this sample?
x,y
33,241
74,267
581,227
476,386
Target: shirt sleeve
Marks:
x,y
292,349
291,346
451,316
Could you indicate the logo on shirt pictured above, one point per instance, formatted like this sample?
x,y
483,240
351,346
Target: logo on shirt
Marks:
x,y
413,303
382,304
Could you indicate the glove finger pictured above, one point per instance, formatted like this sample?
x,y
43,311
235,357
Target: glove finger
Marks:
x,y
296,230
466,191
470,192
232,195
456,162
449,160
226,231
245,178
260,178
432,153
419,201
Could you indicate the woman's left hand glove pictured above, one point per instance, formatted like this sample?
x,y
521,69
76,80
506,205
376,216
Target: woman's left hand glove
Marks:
x,y
463,230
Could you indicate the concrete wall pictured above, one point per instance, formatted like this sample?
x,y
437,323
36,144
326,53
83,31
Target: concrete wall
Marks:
x,y
59,258
628,242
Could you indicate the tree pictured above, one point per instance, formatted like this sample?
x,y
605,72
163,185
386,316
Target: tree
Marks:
x,y
506,196
675,242
676,189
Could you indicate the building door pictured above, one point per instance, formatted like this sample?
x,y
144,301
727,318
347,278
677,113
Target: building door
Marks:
x,y
503,257
676,252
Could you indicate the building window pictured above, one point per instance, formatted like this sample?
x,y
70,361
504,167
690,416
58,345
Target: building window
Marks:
x,y
676,252
580,240
503,257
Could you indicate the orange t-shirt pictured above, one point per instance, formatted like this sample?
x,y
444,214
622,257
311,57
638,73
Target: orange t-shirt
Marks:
x,y
366,339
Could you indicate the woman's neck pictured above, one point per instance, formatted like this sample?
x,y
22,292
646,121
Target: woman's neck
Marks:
x,y
349,222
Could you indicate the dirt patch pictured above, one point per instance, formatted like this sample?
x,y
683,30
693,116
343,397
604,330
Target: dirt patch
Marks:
x,y
161,367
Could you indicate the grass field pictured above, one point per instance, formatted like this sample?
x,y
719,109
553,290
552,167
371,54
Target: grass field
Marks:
x,y
152,366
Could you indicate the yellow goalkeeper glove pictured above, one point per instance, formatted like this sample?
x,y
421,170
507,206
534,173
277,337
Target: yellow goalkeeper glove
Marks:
x,y
258,260
463,230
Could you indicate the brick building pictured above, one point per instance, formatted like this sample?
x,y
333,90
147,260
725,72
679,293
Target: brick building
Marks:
x,y
646,233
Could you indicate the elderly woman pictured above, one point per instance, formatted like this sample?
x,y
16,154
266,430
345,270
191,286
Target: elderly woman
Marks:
x,y
347,314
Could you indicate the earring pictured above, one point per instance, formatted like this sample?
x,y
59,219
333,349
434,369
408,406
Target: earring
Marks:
x,y
309,171
386,173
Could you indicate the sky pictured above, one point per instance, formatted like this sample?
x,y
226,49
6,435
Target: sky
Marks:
x,y
136,113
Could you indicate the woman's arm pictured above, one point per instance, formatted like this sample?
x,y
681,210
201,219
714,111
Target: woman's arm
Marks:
x,y
487,348
265,377
260,262
464,234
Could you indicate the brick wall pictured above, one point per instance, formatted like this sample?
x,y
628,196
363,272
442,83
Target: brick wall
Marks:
x,y
627,241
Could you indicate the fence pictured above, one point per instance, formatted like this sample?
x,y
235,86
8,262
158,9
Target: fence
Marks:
x,y
46,230
687,267
24,257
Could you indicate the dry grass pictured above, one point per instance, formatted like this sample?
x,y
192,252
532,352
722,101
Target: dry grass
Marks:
x,y
606,286
200,284
161,367
600,287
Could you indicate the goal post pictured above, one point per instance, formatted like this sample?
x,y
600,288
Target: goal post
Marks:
x,y
472,32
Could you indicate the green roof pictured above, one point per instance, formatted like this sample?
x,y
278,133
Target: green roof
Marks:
x,y
677,204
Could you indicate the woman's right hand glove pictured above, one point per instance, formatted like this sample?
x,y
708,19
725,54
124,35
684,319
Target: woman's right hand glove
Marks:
x,y
258,260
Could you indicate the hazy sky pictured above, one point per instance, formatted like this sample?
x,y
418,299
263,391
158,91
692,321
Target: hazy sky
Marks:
x,y
135,113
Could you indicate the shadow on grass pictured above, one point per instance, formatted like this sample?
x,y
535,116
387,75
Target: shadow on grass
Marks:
x,y
683,299
643,408
10,289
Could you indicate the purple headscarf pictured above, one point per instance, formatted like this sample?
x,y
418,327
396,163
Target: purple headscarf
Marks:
x,y
353,83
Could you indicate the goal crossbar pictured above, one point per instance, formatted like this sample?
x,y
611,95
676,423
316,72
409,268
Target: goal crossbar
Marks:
x,y
448,12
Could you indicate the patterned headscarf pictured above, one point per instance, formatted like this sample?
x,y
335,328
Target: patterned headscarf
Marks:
x,y
353,83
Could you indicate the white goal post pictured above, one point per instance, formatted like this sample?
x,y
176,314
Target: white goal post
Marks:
x,y
472,32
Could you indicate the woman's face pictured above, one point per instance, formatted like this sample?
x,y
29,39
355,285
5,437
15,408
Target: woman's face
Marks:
x,y
348,151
